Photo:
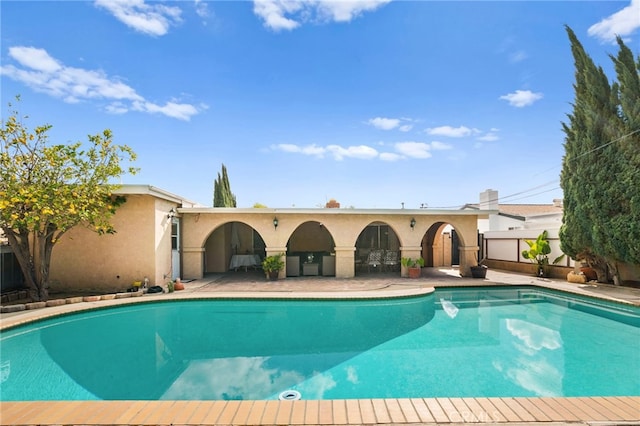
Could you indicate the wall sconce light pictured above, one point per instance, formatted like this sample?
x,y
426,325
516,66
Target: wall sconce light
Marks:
x,y
413,223
172,213
275,222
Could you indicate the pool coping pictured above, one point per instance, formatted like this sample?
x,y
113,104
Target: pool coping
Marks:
x,y
514,410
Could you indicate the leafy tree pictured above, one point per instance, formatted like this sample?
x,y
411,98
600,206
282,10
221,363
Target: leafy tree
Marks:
x,y
222,195
599,176
45,190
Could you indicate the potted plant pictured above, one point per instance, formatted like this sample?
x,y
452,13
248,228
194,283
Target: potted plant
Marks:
x,y
538,253
272,265
414,266
479,271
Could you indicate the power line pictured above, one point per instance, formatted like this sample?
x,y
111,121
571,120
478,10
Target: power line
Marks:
x,y
582,154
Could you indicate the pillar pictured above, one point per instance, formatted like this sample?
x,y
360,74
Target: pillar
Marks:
x,y
468,258
273,251
193,262
413,252
345,261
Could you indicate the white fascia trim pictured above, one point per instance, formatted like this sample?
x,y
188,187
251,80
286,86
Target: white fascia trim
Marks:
x,y
390,212
154,192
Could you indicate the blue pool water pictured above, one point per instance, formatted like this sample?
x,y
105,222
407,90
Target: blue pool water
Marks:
x,y
481,342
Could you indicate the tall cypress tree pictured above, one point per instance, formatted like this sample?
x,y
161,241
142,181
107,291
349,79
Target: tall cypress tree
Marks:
x,y
222,195
599,176
625,223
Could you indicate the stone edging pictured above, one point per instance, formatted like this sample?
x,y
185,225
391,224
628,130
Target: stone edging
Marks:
x,y
69,300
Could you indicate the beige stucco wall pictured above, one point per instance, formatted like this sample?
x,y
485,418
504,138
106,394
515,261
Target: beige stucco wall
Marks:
x,y
84,260
344,225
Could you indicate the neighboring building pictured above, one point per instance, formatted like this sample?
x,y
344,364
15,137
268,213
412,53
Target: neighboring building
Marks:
x,y
516,216
504,233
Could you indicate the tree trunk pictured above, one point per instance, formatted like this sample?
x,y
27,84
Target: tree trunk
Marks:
x,y
613,272
600,266
32,275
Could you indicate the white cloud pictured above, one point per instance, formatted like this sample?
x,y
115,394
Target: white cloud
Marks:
x,y
117,108
170,109
390,156
490,136
622,23
148,19
345,11
338,152
384,123
452,132
312,149
202,8
440,146
361,151
272,12
521,98
43,73
290,14
414,149
401,151
36,59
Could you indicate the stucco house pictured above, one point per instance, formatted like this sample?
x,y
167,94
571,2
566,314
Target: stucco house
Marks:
x,y
145,245
162,236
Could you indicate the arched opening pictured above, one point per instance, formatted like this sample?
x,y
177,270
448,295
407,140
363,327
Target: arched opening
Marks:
x,y
233,246
440,246
311,251
377,249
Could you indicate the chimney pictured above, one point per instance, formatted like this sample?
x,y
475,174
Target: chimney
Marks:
x,y
489,200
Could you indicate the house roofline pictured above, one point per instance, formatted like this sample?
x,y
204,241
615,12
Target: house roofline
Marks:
x,y
132,189
349,211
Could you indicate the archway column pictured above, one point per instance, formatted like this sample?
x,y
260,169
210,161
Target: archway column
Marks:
x,y
345,261
413,252
468,258
193,262
272,251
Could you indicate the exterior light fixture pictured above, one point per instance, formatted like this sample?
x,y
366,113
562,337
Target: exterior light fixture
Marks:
x,y
413,223
275,222
172,213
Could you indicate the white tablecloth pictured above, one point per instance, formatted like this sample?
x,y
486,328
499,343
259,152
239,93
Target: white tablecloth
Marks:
x,y
244,260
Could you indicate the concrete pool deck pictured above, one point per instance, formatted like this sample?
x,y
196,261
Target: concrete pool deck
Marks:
x,y
550,411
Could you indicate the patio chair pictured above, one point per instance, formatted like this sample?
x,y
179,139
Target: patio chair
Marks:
x,y
390,261
374,259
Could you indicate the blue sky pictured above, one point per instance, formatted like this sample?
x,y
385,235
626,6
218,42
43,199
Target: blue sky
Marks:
x,y
372,103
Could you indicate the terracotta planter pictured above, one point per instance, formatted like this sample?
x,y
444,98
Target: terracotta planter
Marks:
x,y
178,285
415,272
590,273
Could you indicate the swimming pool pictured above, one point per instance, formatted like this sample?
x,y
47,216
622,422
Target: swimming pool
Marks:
x,y
515,341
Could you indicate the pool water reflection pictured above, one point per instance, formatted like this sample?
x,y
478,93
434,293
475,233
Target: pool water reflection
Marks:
x,y
500,342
